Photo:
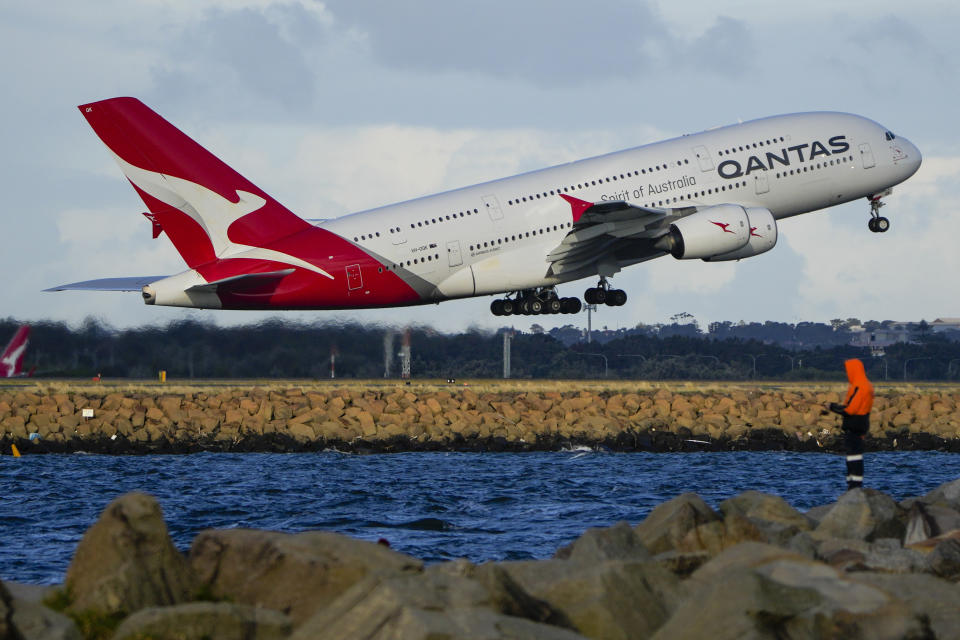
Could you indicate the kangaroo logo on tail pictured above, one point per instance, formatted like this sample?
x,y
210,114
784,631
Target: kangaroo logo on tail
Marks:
x,y
11,362
208,210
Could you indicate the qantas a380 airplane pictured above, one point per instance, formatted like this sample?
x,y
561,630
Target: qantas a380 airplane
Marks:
x,y
714,196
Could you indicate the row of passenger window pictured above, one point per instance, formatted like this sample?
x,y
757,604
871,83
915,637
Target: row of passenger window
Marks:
x,y
408,263
520,236
422,223
820,165
755,145
593,183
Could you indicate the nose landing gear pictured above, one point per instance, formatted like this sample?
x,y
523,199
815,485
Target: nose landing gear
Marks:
x,y
877,223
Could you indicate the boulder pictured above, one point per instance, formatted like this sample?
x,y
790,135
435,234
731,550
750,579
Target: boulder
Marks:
x,y
864,514
843,553
947,495
803,544
438,603
944,560
205,621
6,608
919,524
788,598
296,574
772,515
505,594
929,598
714,537
671,521
619,599
619,542
815,514
682,563
887,555
742,556
126,561
22,616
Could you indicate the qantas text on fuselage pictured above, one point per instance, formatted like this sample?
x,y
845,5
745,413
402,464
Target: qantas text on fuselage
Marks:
x,y
716,195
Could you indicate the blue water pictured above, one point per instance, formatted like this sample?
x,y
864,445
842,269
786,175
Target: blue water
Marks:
x,y
435,506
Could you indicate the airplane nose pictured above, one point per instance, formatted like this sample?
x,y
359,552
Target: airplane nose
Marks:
x,y
913,158
915,155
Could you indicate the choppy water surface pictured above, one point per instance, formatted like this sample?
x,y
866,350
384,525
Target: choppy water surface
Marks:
x,y
436,506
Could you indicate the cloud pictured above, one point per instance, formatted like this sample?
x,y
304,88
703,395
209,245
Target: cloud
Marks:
x,y
851,272
243,59
557,43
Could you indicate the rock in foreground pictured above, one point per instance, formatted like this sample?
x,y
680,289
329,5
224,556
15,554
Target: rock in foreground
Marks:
x,y
863,567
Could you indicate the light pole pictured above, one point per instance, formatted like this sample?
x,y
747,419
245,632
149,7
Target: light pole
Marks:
x,y
950,365
605,367
908,361
790,358
754,359
590,308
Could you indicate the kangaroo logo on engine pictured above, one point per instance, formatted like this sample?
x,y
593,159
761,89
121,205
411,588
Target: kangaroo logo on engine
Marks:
x,y
730,169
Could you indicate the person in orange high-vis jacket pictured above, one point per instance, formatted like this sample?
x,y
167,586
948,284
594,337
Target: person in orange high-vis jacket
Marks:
x,y
856,419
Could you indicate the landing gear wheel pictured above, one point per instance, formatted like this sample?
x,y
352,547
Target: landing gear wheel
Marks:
x,y
536,307
554,305
571,305
595,295
509,307
616,298
877,223
496,308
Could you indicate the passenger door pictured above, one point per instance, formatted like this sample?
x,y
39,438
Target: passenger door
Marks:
x,y
866,155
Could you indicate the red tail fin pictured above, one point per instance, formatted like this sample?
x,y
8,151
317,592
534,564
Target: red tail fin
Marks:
x,y
11,362
207,209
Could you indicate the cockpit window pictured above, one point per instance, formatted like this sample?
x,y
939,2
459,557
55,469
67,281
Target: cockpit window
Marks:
x,y
889,135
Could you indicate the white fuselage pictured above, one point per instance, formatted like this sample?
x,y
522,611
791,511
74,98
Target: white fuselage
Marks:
x,y
494,237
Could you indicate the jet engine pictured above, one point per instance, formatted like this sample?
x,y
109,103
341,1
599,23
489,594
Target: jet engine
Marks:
x,y
763,236
712,231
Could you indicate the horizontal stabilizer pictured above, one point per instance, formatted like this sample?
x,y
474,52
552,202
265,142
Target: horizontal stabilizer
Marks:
x,y
135,283
243,278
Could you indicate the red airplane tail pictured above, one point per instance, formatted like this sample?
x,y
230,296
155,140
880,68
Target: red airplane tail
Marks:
x,y
11,362
207,209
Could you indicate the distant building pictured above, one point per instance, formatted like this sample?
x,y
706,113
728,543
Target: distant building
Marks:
x,y
945,324
882,337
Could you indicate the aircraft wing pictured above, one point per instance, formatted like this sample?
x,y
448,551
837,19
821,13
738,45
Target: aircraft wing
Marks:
x,y
613,230
135,283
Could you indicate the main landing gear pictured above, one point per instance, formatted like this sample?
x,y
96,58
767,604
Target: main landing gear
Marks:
x,y
877,223
534,302
603,294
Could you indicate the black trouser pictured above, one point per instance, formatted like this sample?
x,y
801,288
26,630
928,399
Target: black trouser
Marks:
x,y
854,428
854,450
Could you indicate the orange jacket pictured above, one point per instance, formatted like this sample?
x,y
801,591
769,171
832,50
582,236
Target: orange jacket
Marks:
x,y
859,398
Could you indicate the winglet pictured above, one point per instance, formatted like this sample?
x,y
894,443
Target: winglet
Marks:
x,y
578,206
157,228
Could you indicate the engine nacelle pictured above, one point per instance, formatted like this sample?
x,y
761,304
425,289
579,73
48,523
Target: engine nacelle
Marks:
x,y
763,236
712,231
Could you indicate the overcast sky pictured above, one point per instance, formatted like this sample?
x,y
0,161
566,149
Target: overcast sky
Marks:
x,y
338,106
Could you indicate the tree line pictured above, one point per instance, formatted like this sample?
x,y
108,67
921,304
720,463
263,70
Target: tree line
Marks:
x,y
280,349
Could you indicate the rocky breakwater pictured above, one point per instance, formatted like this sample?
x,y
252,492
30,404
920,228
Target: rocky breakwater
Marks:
x,y
425,417
862,567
